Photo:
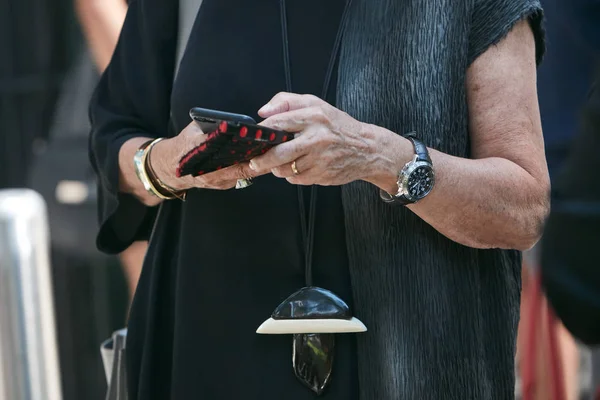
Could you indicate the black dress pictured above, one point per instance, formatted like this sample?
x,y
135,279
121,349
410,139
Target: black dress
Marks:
x,y
220,263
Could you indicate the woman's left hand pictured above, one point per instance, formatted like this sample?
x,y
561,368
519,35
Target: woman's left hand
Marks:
x,y
330,147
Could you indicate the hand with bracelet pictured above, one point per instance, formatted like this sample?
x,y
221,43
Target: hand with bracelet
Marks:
x,y
161,160
331,148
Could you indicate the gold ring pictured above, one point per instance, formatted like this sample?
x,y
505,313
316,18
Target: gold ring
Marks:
x,y
295,169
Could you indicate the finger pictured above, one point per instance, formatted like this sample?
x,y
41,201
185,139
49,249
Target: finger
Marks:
x,y
297,120
232,173
202,183
279,155
223,185
287,170
303,179
284,102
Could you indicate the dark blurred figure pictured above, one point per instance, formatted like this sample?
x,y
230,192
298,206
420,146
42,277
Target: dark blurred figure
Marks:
x,y
570,252
572,148
565,77
564,80
44,78
90,292
571,260
34,54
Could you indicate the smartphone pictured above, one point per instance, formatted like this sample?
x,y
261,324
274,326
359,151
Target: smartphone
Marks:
x,y
232,139
208,119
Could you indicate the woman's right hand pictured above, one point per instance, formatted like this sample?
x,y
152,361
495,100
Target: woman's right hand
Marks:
x,y
167,153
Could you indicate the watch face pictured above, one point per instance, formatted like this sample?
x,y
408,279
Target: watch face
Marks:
x,y
420,182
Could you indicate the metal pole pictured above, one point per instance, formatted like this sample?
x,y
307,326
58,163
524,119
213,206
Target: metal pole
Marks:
x,y
29,366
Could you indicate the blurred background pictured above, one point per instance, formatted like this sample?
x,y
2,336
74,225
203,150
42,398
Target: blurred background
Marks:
x,y
51,54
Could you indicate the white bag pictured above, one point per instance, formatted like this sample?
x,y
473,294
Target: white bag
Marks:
x,y
113,358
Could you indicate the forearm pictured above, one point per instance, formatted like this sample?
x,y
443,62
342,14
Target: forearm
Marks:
x,y
102,21
484,203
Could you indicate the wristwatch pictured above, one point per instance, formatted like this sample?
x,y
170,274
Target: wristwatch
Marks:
x,y
416,179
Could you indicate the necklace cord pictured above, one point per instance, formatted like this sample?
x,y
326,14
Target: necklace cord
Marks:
x,y
307,223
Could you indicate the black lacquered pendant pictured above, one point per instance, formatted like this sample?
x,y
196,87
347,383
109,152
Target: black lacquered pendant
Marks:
x,y
312,310
313,315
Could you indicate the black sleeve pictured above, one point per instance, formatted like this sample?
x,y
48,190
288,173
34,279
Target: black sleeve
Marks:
x,y
132,100
492,20
571,244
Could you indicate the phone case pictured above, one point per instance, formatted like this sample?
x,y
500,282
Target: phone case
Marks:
x,y
232,143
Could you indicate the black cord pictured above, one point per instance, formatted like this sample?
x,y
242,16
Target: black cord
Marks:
x,y
311,236
308,232
336,48
286,46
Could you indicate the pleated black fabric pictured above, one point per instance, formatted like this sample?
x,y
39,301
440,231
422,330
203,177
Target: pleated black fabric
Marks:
x,y
442,317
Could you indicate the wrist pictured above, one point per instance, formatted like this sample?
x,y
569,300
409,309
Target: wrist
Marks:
x,y
164,160
395,152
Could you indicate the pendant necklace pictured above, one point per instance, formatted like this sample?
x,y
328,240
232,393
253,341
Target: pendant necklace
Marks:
x,y
313,315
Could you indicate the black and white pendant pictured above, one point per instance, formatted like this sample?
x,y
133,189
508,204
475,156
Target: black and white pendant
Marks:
x,y
313,316
312,310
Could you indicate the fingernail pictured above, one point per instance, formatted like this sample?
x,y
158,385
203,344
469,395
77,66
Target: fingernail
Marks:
x,y
266,108
252,165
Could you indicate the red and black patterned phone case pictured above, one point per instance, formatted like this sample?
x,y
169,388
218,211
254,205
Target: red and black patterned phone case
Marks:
x,y
232,143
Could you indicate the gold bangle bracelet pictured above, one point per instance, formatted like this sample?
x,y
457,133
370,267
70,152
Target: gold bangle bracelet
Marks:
x,y
167,190
139,162
140,170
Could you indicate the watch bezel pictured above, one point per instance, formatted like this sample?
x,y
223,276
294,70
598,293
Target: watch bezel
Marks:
x,y
409,168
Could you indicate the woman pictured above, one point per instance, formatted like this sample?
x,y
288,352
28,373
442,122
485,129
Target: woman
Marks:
x,y
429,280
